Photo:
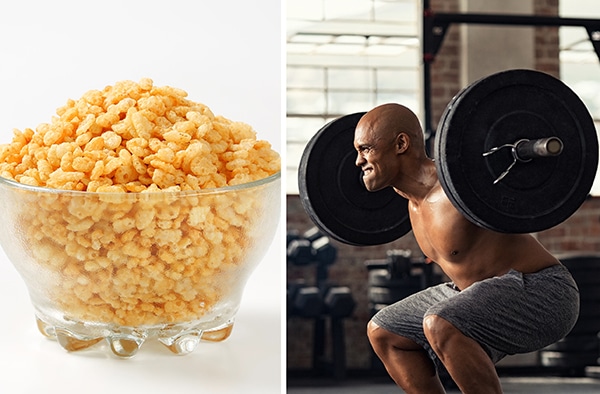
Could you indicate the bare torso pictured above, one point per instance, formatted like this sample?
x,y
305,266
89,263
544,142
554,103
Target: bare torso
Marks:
x,y
468,253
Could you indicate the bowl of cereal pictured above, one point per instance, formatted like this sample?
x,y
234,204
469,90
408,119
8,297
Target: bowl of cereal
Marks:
x,y
137,214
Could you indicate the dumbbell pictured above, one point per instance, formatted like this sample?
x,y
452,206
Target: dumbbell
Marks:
x,y
311,247
324,251
312,234
304,300
292,235
300,252
338,300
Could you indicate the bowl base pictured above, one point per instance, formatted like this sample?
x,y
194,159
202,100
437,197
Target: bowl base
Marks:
x,y
126,343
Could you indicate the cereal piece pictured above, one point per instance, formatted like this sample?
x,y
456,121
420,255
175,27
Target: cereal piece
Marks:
x,y
125,174
111,140
27,180
141,125
138,165
178,137
85,125
83,164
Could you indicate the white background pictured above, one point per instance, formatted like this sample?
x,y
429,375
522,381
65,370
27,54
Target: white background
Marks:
x,y
225,54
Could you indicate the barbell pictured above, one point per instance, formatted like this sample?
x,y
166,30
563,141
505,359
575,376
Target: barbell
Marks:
x,y
515,152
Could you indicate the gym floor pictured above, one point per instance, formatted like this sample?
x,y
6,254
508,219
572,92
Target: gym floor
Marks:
x,y
510,385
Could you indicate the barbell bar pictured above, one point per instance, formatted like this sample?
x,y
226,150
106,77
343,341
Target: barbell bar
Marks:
x,y
516,152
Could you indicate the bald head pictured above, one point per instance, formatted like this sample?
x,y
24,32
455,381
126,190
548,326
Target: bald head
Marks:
x,y
390,145
387,121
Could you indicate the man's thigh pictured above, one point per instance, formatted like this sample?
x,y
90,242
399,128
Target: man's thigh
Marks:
x,y
508,315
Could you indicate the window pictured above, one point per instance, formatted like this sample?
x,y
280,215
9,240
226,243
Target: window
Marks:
x,y
346,56
579,63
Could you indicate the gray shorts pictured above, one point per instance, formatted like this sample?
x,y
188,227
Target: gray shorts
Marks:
x,y
508,314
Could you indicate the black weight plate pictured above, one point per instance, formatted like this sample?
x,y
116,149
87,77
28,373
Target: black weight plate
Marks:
x,y
575,343
589,293
586,325
587,279
564,359
589,308
577,262
502,109
334,197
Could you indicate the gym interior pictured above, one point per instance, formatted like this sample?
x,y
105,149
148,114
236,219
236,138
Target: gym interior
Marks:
x,y
345,57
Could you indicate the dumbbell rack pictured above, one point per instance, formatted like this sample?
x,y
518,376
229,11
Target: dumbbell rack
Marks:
x,y
322,302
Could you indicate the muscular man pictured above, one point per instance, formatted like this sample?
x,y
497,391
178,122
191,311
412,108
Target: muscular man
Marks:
x,y
507,293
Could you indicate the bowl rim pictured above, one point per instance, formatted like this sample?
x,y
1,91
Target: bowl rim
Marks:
x,y
215,190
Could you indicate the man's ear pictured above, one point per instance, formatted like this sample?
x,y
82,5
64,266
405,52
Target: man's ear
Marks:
x,y
402,143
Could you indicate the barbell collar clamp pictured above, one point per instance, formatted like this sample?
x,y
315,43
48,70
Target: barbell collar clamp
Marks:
x,y
525,150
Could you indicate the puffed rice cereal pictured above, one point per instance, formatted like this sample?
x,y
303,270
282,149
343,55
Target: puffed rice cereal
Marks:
x,y
133,137
140,247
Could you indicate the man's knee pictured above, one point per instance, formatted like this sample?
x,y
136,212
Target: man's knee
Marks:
x,y
381,338
438,331
374,333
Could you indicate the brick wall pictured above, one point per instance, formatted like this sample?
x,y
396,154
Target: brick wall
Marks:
x,y
579,233
546,39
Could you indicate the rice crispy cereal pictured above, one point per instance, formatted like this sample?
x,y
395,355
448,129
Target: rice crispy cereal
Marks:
x,y
144,248
135,137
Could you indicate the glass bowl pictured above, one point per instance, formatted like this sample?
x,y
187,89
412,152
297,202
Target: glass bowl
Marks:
x,y
127,267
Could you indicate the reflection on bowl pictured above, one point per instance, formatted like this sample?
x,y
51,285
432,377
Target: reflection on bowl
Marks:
x,y
127,267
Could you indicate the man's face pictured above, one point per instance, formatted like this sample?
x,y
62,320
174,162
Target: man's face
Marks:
x,y
375,156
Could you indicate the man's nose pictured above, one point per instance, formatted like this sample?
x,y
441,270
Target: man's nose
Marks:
x,y
360,160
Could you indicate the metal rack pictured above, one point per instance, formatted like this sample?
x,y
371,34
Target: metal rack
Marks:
x,y
435,26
